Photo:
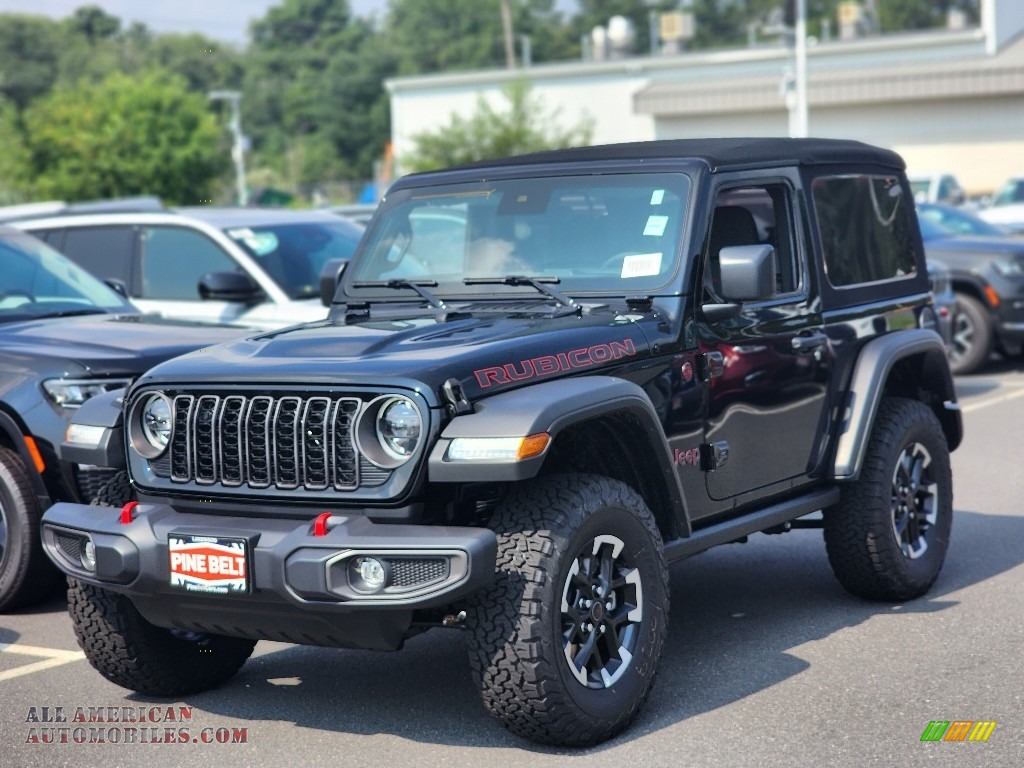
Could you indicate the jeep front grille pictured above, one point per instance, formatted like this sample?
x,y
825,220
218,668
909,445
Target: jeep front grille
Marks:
x,y
283,442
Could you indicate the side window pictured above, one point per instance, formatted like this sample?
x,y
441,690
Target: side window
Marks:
x,y
174,259
106,252
866,228
755,215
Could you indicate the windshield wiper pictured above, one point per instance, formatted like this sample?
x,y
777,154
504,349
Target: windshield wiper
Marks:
x,y
71,313
537,283
420,286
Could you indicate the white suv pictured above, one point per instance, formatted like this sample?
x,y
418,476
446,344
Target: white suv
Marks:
x,y
244,266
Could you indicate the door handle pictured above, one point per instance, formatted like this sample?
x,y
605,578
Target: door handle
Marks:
x,y
809,342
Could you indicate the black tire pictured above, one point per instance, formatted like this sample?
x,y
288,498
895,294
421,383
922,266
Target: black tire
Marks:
x,y
971,341
130,652
26,574
116,492
525,627
887,538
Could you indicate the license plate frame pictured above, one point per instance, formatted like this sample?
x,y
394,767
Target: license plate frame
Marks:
x,y
213,565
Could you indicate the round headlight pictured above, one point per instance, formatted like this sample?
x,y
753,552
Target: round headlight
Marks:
x,y
150,427
398,427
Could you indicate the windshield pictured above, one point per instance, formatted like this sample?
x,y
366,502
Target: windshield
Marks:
x,y
36,281
601,234
294,254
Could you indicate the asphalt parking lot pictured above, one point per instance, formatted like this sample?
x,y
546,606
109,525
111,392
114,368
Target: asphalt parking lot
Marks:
x,y
769,663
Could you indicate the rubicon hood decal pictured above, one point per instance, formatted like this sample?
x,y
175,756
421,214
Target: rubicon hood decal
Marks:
x,y
545,365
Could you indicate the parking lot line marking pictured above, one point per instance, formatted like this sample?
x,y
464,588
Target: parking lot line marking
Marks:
x,y
978,404
52,657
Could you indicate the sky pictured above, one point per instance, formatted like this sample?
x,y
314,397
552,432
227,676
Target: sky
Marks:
x,y
225,20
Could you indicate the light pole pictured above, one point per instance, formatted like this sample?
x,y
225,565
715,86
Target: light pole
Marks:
x,y
798,115
238,148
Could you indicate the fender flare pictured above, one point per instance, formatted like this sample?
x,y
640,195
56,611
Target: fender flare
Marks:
x,y
867,386
107,449
550,407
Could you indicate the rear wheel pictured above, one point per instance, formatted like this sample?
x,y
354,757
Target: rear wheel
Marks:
x,y
887,537
971,340
566,641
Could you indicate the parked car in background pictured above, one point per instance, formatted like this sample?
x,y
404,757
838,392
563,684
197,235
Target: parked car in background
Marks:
x,y
987,274
946,306
959,221
1007,209
936,188
64,337
244,266
360,213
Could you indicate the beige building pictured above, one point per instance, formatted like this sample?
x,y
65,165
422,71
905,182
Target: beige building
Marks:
x,y
950,101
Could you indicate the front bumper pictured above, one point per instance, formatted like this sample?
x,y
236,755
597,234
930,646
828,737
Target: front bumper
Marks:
x,y
297,584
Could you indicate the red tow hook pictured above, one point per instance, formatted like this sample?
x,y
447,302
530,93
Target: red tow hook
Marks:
x,y
128,512
322,522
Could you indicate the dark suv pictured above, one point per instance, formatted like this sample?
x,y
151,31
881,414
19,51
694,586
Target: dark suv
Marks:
x,y
64,337
542,380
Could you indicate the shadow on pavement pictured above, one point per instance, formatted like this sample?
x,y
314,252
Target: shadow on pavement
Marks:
x,y
737,612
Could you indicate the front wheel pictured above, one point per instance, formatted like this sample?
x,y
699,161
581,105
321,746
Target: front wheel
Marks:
x,y
887,537
566,641
129,651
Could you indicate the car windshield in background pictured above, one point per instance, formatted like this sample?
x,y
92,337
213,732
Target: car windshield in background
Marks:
x,y
294,254
609,233
36,281
932,230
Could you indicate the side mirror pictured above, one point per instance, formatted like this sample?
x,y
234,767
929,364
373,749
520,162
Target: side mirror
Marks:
x,y
748,272
330,276
117,286
230,286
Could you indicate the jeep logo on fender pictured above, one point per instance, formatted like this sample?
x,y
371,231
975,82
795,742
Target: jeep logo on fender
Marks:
x,y
545,365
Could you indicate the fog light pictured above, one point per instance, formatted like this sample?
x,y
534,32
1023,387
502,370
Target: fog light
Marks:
x,y
89,555
368,574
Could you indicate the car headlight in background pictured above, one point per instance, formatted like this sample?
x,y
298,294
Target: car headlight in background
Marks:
x,y
389,430
71,393
149,424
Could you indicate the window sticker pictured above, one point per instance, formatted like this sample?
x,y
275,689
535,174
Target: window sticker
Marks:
x,y
641,265
260,243
240,233
655,226
657,196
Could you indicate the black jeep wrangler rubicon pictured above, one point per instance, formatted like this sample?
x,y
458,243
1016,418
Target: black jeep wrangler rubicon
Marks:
x,y
542,380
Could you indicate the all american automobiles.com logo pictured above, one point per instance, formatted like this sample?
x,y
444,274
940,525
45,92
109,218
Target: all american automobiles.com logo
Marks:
x,y
124,725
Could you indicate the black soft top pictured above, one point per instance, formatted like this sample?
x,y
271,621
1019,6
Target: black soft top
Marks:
x,y
717,153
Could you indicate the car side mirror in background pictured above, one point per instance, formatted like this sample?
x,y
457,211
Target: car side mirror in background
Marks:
x,y
330,276
117,286
230,286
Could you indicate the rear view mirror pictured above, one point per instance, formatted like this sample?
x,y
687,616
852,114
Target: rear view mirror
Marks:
x,y
330,276
230,286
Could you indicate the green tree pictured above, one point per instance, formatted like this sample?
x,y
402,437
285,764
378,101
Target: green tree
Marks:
x,y
29,57
525,126
124,136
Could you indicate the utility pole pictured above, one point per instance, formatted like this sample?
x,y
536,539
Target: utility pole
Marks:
x,y
798,126
238,148
506,25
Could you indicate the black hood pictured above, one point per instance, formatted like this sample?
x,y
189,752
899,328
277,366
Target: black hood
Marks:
x,y
109,344
486,353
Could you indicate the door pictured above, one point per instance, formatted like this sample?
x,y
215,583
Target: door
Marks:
x,y
765,369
